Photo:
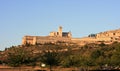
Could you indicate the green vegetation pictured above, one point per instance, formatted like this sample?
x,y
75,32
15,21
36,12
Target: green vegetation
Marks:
x,y
50,58
18,56
93,56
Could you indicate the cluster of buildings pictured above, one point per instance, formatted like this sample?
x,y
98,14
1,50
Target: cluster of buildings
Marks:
x,y
113,35
60,36
53,37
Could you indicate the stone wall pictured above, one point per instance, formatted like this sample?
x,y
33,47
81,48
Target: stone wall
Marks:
x,y
113,35
27,40
108,36
43,39
52,39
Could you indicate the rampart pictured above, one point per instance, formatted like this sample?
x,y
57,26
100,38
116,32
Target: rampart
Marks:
x,y
107,36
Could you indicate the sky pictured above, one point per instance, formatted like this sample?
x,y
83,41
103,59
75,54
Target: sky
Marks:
x,y
39,17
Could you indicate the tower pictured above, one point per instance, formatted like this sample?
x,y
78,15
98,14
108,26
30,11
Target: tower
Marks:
x,y
60,31
24,40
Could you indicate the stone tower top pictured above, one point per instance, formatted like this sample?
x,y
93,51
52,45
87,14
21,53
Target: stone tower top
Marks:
x,y
60,31
60,28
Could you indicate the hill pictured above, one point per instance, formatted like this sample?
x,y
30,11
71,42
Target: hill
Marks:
x,y
92,56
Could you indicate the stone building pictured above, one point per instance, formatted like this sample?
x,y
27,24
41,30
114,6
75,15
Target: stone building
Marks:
x,y
107,37
60,33
113,35
52,38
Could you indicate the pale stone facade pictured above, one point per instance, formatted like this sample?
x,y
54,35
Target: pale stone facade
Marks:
x,y
60,33
108,36
113,35
52,38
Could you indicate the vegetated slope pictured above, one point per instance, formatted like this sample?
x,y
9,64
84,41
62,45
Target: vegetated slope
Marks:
x,y
67,55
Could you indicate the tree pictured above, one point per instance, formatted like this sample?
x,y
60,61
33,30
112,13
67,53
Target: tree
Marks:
x,y
18,56
100,61
50,58
96,53
115,59
71,61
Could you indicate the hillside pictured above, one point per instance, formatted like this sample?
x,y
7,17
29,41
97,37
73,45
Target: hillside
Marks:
x,y
94,56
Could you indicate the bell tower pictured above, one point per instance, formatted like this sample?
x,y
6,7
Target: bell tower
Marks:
x,y
60,31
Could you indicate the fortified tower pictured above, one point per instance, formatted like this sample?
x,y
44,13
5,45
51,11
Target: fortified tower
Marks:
x,y
60,31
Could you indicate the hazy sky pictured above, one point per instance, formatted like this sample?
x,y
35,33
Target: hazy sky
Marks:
x,y
39,17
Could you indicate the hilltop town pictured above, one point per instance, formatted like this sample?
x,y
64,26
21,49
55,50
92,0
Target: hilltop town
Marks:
x,y
107,37
64,54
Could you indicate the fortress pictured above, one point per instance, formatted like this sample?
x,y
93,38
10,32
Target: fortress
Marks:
x,y
60,36
52,38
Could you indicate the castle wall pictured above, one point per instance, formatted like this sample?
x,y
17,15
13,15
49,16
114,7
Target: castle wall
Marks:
x,y
27,40
43,39
113,35
103,39
52,39
83,41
